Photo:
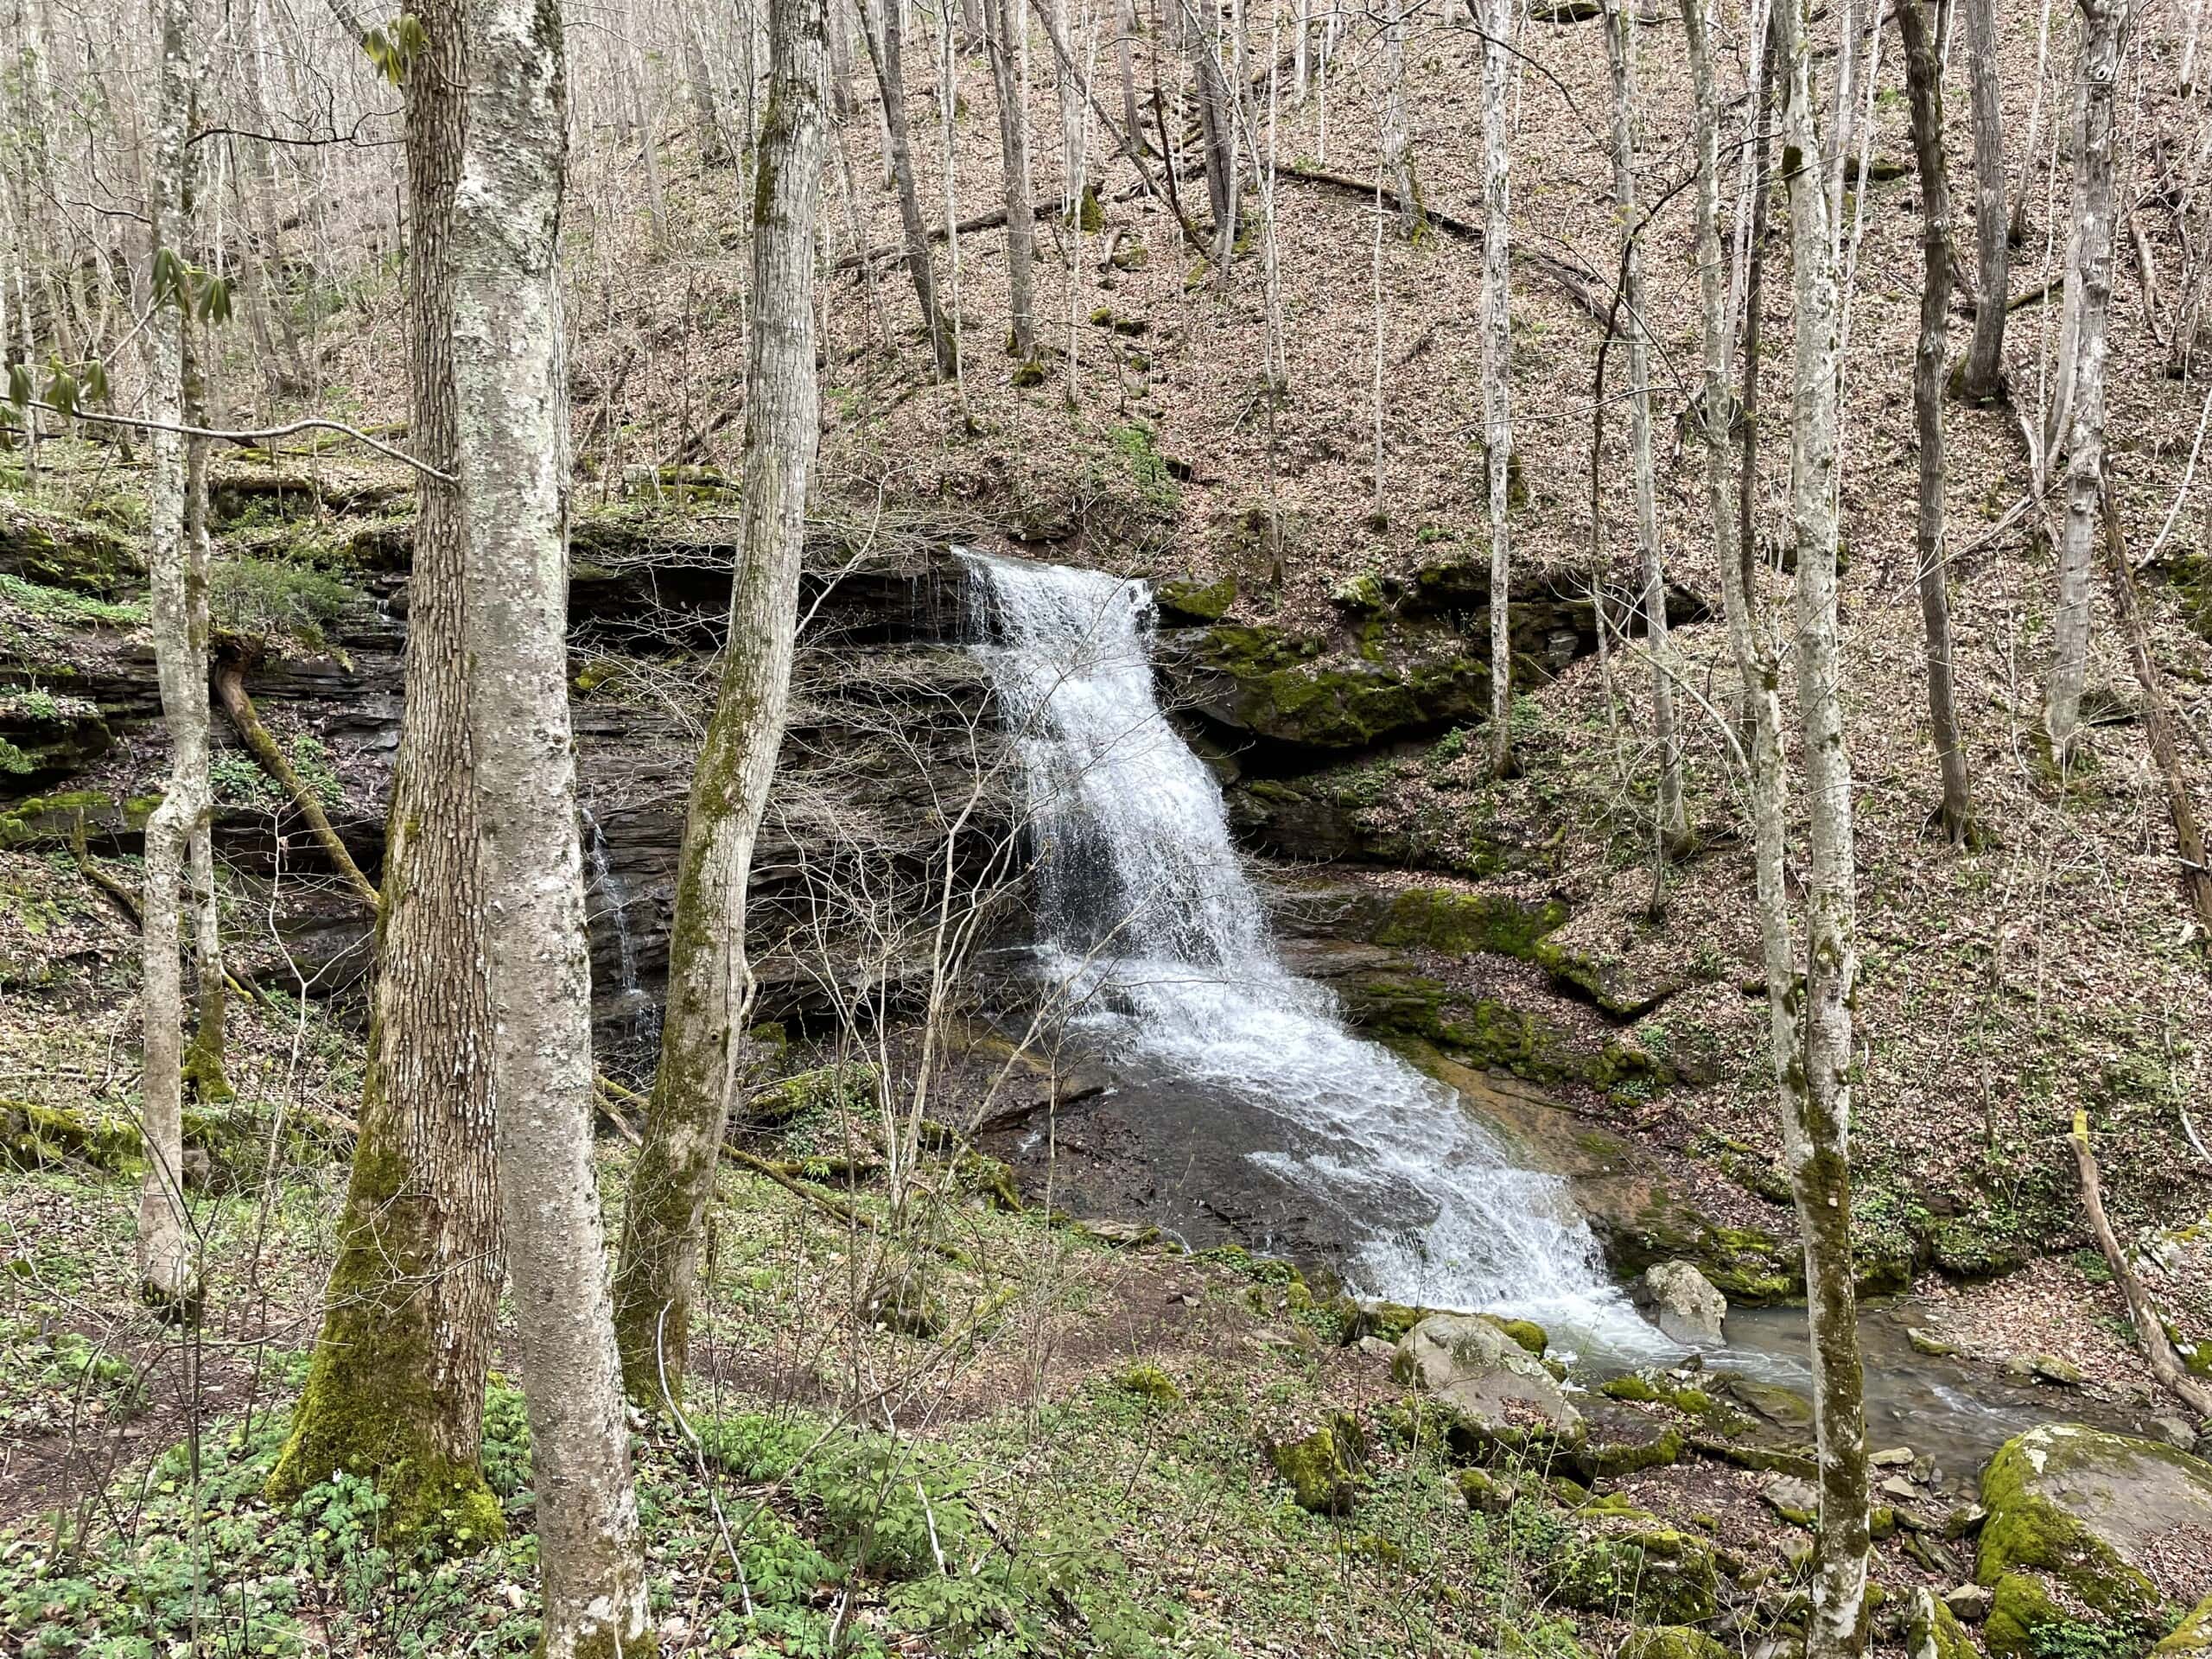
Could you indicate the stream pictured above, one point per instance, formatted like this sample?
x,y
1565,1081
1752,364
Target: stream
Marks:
x,y
1241,1108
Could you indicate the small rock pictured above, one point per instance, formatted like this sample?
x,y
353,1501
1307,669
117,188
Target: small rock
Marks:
x,y
2049,1368
1319,1472
1130,1234
1898,1486
2177,1432
1487,1494
1481,1374
1795,1501
1683,1303
1896,1457
1375,1348
2018,1368
1927,1342
1969,1603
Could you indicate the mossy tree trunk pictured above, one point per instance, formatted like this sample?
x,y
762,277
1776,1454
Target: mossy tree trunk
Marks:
x,y
709,980
1924,79
1497,369
511,401
396,1385
203,1056
1815,1076
168,1274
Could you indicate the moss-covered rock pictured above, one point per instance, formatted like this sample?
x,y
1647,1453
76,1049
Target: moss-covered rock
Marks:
x,y
32,1136
1933,1631
2190,1638
1648,1575
2078,1511
1671,1642
82,554
1530,1335
1500,1393
1150,1384
1195,601
1464,924
1320,1466
1288,688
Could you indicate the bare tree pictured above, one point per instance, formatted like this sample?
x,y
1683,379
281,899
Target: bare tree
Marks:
x,y
1924,84
511,401
396,1385
1397,145
176,565
1620,46
710,978
1813,1071
1014,153
1985,364
1497,369
884,34
2104,28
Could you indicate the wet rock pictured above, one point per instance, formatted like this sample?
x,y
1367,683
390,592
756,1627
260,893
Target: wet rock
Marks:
x,y
1781,1407
1927,1342
1796,1500
2077,1517
2177,1432
1622,1440
2049,1368
1683,1303
1489,1381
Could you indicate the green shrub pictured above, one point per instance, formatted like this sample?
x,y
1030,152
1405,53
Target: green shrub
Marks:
x,y
276,602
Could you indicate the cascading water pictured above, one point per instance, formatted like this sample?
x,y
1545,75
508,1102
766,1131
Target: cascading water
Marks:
x,y
1147,918
643,1011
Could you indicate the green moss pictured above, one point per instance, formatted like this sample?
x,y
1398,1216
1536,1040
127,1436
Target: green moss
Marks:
x,y
1526,1332
78,555
2191,1637
1319,1474
1207,602
32,1136
1654,1576
1149,1383
1464,924
1672,1642
1631,1388
1610,1459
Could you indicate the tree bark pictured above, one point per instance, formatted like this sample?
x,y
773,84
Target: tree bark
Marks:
x,y
511,400
1815,1078
1014,151
2104,23
395,1388
1620,48
1497,371
709,980
1218,137
1716,405
1747,524
2150,1326
203,1073
1397,147
1984,365
1924,84
168,1274
884,54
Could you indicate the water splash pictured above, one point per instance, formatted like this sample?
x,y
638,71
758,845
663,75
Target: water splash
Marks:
x,y
1144,910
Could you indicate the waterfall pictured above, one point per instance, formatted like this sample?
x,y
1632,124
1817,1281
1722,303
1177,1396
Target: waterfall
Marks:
x,y
641,1013
1144,914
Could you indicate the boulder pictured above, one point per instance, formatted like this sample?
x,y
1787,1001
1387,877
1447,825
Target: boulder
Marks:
x,y
1637,1570
1683,1303
1670,1641
1934,1631
1491,1384
2191,1638
2082,1518
1320,1466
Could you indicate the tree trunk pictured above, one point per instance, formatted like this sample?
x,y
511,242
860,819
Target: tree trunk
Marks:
x,y
884,53
203,1057
709,980
1218,137
2103,22
1815,1079
1716,405
511,400
395,1388
1125,29
706,100
1620,44
1013,150
1397,147
1747,494
2143,1312
168,1274
1497,371
1985,363
841,59
1924,82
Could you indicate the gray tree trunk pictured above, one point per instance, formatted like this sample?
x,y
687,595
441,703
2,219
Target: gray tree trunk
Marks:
x,y
884,54
176,567
1497,371
1985,363
511,398
1397,145
2103,25
1814,1077
1620,46
1014,151
395,1388
709,980
1924,82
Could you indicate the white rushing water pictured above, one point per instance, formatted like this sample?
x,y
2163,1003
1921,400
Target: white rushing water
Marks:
x,y
1145,911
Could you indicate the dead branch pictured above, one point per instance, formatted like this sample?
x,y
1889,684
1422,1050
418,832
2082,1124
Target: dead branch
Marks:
x,y
230,689
2150,1329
